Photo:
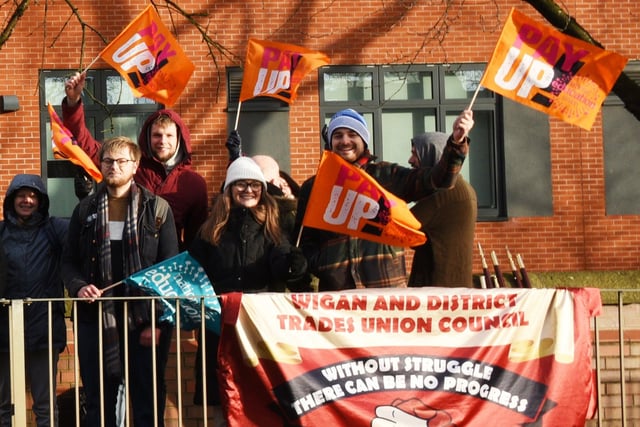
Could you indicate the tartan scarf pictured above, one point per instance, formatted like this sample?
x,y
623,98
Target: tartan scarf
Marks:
x,y
111,336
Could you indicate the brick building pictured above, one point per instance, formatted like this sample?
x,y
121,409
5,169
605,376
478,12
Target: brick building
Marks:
x,y
563,197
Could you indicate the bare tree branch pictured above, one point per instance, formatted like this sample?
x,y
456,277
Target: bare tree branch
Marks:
x,y
21,8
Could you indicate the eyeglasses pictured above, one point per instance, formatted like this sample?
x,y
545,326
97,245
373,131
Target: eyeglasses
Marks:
x,y
121,162
243,185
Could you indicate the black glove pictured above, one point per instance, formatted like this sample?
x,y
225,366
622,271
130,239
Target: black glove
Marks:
x,y
83,184
297,262
325,137
234,143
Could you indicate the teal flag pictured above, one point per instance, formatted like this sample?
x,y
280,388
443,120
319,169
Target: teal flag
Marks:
x,y
181,280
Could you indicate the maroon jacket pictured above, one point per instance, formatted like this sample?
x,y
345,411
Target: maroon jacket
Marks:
x,y
182,187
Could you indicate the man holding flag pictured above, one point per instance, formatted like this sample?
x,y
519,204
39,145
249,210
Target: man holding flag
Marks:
x,y
342,261
165,166
113,233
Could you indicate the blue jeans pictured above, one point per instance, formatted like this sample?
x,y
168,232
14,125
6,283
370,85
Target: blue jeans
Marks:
x,y
37,373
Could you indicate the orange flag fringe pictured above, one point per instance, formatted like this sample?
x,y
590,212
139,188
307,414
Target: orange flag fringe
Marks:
x,y
345,199
64,148
542,68
276,69
150,59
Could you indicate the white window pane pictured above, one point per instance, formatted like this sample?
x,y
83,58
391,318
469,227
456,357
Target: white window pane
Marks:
x,y
397,131
62,197
121,126
119,92
348,87
402,86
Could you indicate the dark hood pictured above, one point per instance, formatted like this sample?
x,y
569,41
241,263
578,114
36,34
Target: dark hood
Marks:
x,y
183,131
33,182
429,147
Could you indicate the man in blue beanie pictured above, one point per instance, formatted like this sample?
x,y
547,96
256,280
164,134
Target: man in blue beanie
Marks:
x,y
344,262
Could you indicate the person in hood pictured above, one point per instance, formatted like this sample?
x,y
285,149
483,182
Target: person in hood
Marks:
x,y
165,167
32,242
341,261
448,220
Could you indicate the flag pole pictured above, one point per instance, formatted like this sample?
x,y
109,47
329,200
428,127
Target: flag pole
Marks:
x,y
475,95
91,63
235,127
299,236
113,285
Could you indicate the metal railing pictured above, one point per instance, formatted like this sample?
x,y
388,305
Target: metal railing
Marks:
x,y
613,323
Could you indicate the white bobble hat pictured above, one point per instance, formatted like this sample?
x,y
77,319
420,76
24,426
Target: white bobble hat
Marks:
x,y
244,168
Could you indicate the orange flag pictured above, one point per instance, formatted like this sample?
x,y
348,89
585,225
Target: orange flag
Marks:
x,y
276,69
345,199
551,72
64,148
150,59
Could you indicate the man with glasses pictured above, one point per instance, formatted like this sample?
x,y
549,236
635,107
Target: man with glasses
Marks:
x,y
165,165
117,231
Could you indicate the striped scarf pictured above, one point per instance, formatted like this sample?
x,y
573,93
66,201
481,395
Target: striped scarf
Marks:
x,y
111,337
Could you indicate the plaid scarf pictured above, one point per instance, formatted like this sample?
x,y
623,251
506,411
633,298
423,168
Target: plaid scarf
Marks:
x,y
111,337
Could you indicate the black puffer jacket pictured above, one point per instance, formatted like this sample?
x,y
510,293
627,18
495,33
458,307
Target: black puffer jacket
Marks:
x,y
33,249
245,260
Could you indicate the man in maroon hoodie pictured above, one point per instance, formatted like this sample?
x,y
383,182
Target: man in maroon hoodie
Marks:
x,y
165,167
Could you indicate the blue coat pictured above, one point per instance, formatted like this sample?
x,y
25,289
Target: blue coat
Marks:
x,y
33,250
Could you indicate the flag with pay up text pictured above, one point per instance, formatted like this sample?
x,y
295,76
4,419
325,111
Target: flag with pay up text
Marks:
x,y
345,199
537,66
64,148
150,59
276,69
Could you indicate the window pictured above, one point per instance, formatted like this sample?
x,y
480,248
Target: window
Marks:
x,y
111,109
399,102
621,151
263,122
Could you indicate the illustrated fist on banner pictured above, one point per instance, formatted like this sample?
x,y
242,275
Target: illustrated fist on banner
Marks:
x,y
410,413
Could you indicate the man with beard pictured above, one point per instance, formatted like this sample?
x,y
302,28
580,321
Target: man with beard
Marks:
x,y
113,233
344,262
165,165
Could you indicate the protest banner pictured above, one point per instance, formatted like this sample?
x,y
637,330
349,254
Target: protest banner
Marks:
x,y
64,147
417,356
540,67
345,199
150,59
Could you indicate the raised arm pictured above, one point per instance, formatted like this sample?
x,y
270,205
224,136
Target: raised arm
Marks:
x,y
73,116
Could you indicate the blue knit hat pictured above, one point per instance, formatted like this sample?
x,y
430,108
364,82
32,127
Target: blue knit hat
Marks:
x,y
349,119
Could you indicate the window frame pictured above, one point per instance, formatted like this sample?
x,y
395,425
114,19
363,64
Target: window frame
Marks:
x,y
97,116
487,103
